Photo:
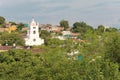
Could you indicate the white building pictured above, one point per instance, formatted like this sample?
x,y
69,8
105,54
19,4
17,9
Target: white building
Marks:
x,y
33,35
66,33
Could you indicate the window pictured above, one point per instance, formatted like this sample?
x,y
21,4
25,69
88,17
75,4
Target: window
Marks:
x,y
34,40
34,32
34,27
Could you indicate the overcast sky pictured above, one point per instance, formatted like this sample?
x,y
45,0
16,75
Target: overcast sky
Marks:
x,y
93,12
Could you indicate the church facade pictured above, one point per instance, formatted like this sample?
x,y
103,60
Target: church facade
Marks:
x,y
32,38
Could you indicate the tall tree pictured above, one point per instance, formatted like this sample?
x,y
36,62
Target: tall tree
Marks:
x,y
2,20
81,27
101,28
64,23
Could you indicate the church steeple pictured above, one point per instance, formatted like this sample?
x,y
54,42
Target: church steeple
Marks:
x,y
33,35
33,23
33,20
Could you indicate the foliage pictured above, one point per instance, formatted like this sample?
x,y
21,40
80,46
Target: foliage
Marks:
x,y
53,64
2,20
11,38
12,23
100,49
81,27
54,42
44,34
64,23
101,29
113,47
111,30
20,26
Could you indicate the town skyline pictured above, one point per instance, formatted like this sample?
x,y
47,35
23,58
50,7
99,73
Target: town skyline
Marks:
x,y
93,12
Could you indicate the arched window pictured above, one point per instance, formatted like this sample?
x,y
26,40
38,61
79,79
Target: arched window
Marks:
x,y
34,40
34,32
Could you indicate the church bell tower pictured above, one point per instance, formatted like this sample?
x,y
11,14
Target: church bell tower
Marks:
x,y
33,35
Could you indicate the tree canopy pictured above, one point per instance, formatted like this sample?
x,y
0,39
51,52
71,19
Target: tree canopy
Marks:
x,y
20,26
64,23
2,20
112,46
81,27
11,38
53,64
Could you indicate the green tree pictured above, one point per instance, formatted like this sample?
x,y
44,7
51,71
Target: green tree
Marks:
x,y
111,29
64,23
81,27
44,34
52,64
112,44
2,20
53,42
20,26
12,23
11,38
101,69
101,29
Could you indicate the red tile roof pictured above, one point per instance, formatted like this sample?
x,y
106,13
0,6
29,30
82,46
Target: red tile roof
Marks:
x,y
5,47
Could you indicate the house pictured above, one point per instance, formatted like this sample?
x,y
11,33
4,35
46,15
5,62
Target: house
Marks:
x,y
11,28
51,28
46,27
69,34
57,29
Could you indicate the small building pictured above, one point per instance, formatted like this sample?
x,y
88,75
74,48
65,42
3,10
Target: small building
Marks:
x,y
57,29
66,33
32,38
69,34
46,27
51,28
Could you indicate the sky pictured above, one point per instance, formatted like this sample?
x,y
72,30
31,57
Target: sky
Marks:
x,y
93,12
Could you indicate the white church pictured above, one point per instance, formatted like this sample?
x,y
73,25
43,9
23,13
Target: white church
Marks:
x,y
32,38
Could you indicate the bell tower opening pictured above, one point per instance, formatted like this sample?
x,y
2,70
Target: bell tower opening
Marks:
x,y
34,32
